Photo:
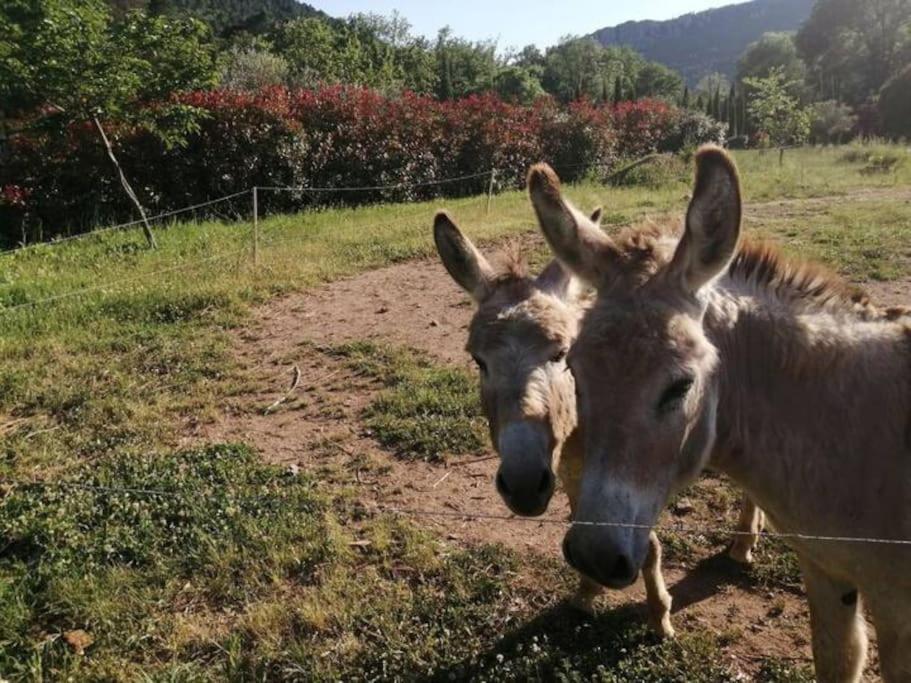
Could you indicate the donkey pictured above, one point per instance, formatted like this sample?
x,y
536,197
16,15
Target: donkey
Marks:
x,y
701,351
519,338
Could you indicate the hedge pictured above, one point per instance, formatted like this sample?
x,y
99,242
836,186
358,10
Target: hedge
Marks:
x,y
337,136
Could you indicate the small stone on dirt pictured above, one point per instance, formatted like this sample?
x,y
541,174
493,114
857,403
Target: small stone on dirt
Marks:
x,y
78,640
434,323
294,470
382,309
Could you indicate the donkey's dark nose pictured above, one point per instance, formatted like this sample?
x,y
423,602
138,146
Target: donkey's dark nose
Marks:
x,y
526,490
599,560
547,482
502,488
623,573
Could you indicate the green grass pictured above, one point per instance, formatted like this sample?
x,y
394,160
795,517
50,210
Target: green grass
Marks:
x,y
426,411
207,565
211,584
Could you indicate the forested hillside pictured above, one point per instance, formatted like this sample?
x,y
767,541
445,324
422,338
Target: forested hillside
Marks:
x,y
228,15
707,42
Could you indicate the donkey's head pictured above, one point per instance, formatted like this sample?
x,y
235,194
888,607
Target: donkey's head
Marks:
x,y
519,337
644,368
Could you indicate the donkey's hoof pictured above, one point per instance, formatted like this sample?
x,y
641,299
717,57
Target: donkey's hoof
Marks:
x,y
584,604
741,554
659,618
663,629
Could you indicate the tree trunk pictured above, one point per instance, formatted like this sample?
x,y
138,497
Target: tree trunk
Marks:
x,y
146,228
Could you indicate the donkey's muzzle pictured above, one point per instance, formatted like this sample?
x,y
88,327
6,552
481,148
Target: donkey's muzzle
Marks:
x,y
525,480
604,563
526,491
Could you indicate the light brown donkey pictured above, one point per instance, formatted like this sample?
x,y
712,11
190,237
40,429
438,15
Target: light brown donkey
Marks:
x,y
701,351
519,337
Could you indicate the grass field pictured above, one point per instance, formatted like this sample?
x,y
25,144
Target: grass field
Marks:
x,y
212,565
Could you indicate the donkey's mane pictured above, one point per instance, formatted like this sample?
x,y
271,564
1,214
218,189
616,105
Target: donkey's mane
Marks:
x,y
803,284
798,283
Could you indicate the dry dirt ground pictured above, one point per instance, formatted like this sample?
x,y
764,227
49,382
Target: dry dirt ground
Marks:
x,y
416,305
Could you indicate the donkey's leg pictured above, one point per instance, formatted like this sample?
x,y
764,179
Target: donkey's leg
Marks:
x,y
893,636
658,600
570,473
839,631
749,527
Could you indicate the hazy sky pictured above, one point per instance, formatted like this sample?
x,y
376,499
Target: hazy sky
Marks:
x,y
515,23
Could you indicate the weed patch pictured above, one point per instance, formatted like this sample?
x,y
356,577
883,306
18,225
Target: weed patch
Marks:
x,y
425,411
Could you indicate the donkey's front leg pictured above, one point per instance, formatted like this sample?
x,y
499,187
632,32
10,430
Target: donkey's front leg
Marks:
x,y
658,600
838,628
749,528
570,473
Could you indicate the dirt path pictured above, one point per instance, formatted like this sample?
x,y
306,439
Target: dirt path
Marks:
x,y
416,305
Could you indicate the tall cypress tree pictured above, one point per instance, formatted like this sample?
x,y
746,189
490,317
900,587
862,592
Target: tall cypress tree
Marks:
x,y
732,112
618,90
685,102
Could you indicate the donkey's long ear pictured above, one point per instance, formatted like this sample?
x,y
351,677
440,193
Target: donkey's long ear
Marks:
x,y
465,263
712,221
555,279
579,244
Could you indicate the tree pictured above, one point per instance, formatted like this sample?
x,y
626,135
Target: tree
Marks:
x,y
573,69
895,105
618,90
529,56
70,58
464,67
312,48
253,69
518,84
685,100
854,47
709,83
831,122
778,114
656,80
772,51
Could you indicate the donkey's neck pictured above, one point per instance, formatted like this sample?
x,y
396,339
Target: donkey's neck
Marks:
x,y
814,409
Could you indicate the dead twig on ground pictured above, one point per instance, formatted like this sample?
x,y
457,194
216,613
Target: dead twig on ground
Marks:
x,y
294,384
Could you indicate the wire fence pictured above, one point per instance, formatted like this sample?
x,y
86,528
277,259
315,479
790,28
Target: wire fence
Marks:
x,y
677,528
124,226
237,253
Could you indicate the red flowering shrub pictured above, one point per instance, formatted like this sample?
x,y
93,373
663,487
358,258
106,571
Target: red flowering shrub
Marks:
x,y
332,137
642,126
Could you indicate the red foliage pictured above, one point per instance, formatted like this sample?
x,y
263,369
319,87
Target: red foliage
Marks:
x,y
336,136
642,125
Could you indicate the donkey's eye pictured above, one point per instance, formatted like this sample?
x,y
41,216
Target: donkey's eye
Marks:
x,y
559,356
674,394
482,366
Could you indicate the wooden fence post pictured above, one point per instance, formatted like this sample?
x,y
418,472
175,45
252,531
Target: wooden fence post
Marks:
x,y
255,228
493,179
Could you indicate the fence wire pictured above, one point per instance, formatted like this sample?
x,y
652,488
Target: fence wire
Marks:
x,y
124,226
679,528
377,188
116,283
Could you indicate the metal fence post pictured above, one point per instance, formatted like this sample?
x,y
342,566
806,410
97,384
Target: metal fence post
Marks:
x,y
255,228
493,179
